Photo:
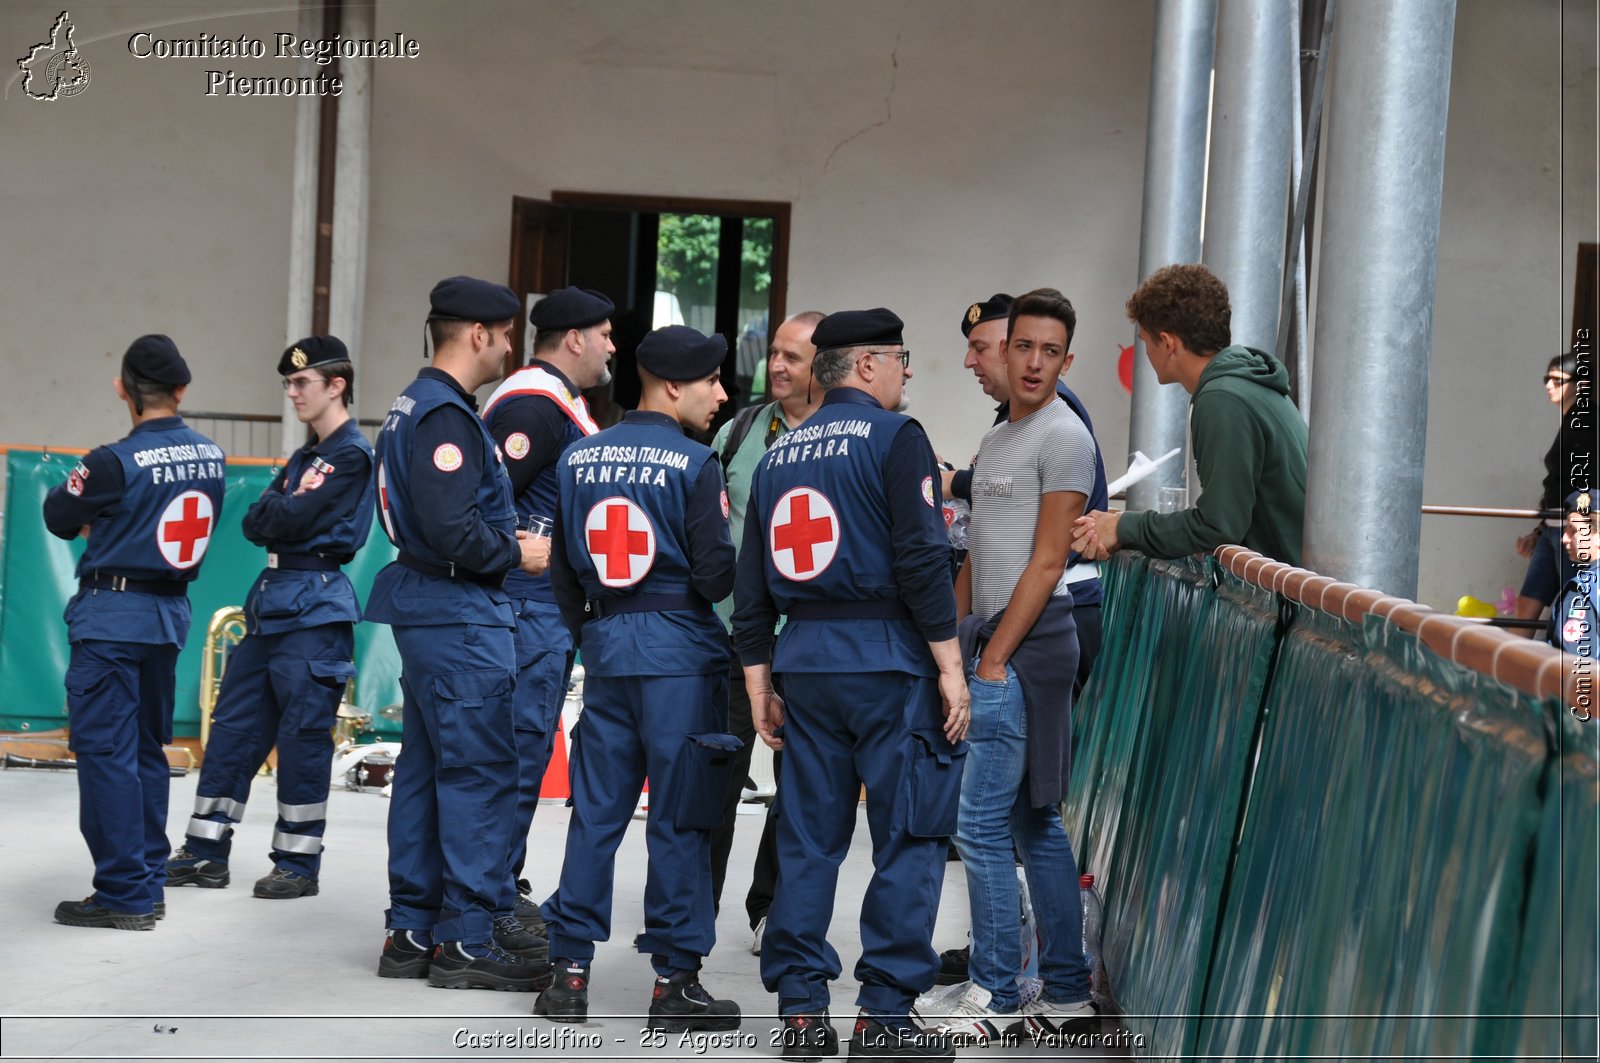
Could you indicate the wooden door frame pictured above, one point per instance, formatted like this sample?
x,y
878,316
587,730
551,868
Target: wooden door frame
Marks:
x,y
741,208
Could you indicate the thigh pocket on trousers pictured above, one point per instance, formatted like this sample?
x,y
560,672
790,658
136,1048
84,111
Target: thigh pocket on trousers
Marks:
x,y
704,767
92,719
325,684
934,783
473,710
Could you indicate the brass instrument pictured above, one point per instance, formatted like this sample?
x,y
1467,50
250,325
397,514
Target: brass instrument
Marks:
x,y
226,630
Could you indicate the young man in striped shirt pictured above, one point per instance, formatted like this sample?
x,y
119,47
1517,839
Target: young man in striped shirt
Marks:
x,y
1034,473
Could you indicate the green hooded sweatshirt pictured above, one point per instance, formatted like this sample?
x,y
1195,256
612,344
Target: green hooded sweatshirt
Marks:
x,y
1250,451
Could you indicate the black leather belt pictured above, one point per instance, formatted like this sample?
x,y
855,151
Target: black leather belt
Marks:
x,y
646,603
302,562
170,588
849,611
450,571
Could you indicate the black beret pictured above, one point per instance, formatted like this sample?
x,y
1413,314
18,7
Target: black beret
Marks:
x,y
992,308
858,328
155,358
679,353
470,299
569,308
1580,502
312,352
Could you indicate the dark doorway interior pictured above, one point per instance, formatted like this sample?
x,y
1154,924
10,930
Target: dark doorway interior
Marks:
x,y
715,265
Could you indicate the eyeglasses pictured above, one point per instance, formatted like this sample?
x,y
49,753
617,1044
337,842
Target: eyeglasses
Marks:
x,y
1553,379
300,383
904,356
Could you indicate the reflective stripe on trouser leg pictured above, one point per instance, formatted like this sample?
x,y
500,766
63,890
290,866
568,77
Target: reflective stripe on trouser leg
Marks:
x,y
205,806
209,829
302,813
296,843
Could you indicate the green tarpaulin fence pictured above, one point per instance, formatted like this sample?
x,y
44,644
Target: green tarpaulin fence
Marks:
x,y
1319,839
36,579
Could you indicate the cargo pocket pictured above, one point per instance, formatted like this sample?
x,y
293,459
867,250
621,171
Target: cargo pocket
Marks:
x,y
934,788
92,719
705,764
327,679
473,710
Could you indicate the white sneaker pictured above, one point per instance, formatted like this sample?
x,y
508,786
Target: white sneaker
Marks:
x,y
971,1020
760,932
1045,1017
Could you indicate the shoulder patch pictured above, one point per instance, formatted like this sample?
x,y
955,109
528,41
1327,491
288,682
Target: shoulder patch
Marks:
x,y
76,478
447,457
927,490
517,445
312,478
725,510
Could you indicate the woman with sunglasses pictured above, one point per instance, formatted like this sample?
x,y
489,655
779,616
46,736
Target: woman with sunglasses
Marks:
x,y
1547,565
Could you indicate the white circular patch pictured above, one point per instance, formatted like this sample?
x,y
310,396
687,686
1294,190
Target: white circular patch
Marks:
x,y
725,508
517,446
311,479
184,530
620,540
447,457
927,490
803,535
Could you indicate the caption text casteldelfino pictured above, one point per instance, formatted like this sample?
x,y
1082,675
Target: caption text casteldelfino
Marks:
x,y
322,51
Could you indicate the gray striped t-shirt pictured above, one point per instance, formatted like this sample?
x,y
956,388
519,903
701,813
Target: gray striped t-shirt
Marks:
x,y
1047,451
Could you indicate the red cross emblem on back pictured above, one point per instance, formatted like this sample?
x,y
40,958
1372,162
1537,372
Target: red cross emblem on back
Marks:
x,y
621,542
184,530
804,534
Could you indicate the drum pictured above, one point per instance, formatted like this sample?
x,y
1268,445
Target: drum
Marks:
x,y
371,774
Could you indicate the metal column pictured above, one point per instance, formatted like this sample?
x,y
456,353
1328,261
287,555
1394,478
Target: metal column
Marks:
x,y
1252,138
1174,185
302,219
1388,98
347,297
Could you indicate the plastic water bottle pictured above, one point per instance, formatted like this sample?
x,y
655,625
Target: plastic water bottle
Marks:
x,y
1093,920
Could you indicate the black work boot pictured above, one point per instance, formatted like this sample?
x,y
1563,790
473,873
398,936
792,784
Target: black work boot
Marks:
x,y
681,1004
567,999
186,869
281,884
406,954
88,913
527,911
899,1038
512,935
457,965
808,1037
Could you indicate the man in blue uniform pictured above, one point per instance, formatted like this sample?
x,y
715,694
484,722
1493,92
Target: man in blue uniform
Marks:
x,y
845,537
445,502
284,681
1574,625
642,551
148,505
535,414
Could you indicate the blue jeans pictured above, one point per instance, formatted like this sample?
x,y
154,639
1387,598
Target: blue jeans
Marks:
x,y
994,815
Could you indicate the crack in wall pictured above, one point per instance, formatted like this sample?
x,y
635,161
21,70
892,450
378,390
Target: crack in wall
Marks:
x,y
888,105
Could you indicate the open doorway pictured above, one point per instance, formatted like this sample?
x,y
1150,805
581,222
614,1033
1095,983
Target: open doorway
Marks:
x,y
713,264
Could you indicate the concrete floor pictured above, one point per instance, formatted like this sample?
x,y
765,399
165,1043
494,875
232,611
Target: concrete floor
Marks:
x,y
228,976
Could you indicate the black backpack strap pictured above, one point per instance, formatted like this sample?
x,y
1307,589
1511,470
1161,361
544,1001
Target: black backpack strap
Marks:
x,y
742,422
